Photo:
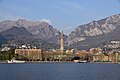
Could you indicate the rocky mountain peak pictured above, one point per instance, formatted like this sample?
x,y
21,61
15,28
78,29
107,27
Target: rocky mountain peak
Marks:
x,y
47,21
86,35
94,28
20,22
42,29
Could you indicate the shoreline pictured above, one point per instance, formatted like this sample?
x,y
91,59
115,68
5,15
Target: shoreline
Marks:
x,y
5,62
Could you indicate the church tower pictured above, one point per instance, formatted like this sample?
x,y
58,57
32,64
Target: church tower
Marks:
x,y
62,42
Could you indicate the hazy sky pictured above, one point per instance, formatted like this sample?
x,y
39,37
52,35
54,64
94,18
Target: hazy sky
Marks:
x,y
64,15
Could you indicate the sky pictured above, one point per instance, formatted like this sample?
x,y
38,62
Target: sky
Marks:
x,y
64,15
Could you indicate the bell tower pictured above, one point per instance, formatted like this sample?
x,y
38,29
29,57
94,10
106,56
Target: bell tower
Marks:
x,y
62,42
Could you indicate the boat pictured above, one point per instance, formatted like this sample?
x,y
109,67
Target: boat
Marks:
x,y
15,61
83,61
79,61
76,61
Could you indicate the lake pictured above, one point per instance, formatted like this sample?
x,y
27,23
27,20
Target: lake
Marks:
x,y
60,71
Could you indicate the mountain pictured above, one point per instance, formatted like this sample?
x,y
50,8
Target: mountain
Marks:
x,y
42,34
19,35
40,30
1,40
45,32
16,35
15,32
95,33
39,33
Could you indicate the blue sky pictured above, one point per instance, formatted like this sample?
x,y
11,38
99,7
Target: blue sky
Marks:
x,y
64,15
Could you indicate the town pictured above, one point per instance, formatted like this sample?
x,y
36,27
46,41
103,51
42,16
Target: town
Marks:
x,y
110,53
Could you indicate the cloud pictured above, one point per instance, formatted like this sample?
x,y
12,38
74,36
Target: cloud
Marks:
x,y
46,20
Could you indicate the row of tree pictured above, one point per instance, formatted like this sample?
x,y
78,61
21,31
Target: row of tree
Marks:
x,y
57,56
7,55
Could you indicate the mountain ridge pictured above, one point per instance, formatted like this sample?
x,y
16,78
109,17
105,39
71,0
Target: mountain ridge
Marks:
x,y
87,34
91,34
41,29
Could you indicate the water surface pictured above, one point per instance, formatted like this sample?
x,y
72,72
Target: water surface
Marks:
x,y
59,71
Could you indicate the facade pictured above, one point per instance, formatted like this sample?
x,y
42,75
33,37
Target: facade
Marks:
x,y
30,54
70,51
95,50
101,57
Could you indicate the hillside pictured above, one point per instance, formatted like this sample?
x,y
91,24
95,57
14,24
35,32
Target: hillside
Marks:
x,y
95,33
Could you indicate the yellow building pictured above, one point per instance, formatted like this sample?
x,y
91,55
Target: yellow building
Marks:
x,y
101,57
95,50
70,51
30,54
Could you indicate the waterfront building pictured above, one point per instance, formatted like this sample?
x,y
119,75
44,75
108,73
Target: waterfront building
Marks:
x,y
102,57
70,51
29,54
95,50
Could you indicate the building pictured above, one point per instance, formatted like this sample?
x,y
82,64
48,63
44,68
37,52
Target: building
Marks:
x,y
29,54
70,51
101,57
62,42
95,50
5,49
